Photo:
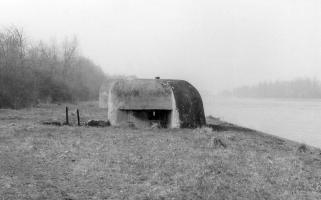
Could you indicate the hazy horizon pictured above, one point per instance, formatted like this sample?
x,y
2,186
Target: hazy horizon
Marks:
x,y
215,45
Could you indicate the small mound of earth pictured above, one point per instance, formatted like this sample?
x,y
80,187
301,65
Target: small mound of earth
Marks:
x,y
98,123
302,148
218,142
53,123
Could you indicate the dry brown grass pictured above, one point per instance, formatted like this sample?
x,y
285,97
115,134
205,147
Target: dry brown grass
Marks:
x,y
49,162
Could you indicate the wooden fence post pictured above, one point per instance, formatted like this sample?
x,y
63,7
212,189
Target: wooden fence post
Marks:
x,y
67,119
78,118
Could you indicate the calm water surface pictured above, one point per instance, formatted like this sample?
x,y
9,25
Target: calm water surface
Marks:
x,y
298,120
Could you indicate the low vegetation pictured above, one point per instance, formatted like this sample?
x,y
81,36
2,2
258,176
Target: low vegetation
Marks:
x,y
70,162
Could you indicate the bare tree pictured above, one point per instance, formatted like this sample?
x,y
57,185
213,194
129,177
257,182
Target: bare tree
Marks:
x,y
30,73
69,54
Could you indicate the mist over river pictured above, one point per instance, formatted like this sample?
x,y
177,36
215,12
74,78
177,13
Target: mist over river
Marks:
x,y
294,119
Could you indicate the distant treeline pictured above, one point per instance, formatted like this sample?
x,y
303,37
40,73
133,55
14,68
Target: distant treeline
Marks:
x,y
38,72
298,88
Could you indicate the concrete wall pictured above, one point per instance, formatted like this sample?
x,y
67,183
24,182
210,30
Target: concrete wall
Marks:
x,y
128,99
188,102
113,109
104,93
141,94
174,116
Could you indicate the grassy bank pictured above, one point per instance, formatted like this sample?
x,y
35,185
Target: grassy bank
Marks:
x,y
70,162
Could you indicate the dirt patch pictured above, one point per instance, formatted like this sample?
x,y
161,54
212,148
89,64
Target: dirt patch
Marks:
x,y
52,123
302,149
98,123
218,142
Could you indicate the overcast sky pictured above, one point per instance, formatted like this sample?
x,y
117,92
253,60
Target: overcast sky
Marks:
x,y
214,44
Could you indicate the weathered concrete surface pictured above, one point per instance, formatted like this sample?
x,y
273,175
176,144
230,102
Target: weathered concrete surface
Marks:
x,y
141,94
103,99
189,103
104,93
132,100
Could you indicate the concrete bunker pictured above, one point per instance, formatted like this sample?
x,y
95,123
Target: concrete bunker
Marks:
x,y
150,102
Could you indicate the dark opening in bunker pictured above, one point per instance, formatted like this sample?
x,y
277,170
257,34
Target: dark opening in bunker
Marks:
x,y
148,118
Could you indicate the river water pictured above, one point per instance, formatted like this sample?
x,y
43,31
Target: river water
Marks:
x,y
298,120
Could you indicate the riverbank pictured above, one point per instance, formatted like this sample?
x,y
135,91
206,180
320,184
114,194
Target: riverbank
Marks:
x,y
294,119
71,162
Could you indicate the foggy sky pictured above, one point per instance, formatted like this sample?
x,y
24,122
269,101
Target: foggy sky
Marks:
x,y
213,44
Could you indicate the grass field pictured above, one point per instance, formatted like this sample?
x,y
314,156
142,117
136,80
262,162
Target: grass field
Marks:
x,y
69,162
